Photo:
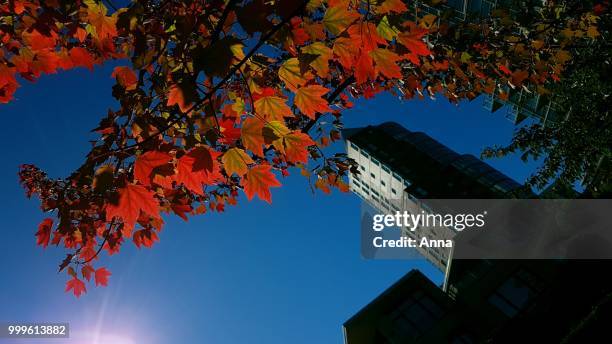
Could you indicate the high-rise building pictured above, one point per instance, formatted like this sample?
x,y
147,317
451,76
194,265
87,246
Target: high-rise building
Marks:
x,y
492,302
401,169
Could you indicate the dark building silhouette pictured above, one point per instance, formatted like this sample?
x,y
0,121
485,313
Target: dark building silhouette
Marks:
x,y
492,302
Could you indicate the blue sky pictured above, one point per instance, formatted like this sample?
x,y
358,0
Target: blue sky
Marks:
x,y
289,272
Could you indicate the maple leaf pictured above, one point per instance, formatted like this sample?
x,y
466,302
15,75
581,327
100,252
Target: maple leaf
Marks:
x,y
346,51
145,237
44,232
77,286
338,18
147,162
235,160
386,63
125,77
80,34
413,40
81,58
86,271
96,16
252,136
273,108
365,36
291,75
321,63
132,200
196,168
176,95
181,210
309,100
364,69
388,6
101,277
37,41
259,180
294,146
8,84
229,133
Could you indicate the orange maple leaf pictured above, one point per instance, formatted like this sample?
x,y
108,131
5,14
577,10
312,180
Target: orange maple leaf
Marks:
x,y
96,16
252,136
235,160
346,51
309,100
259,180
387,6
132,200
273,108
386,63
294,146
338,18
365,36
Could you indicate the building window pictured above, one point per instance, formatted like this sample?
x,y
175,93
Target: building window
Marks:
x,y
365,154
373,175
375,192
516,293
416,315
393,191
354,146
386,169
375,162
366,187
362,168
382,183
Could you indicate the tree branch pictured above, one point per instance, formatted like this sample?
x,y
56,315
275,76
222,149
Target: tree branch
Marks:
x,y
221,22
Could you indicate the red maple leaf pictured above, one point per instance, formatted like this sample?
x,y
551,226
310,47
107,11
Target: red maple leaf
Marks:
x,y
125,77
101,277
77,286
81,58
132,200
145,237
44,232
146,163
199,166
86,271
309,99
